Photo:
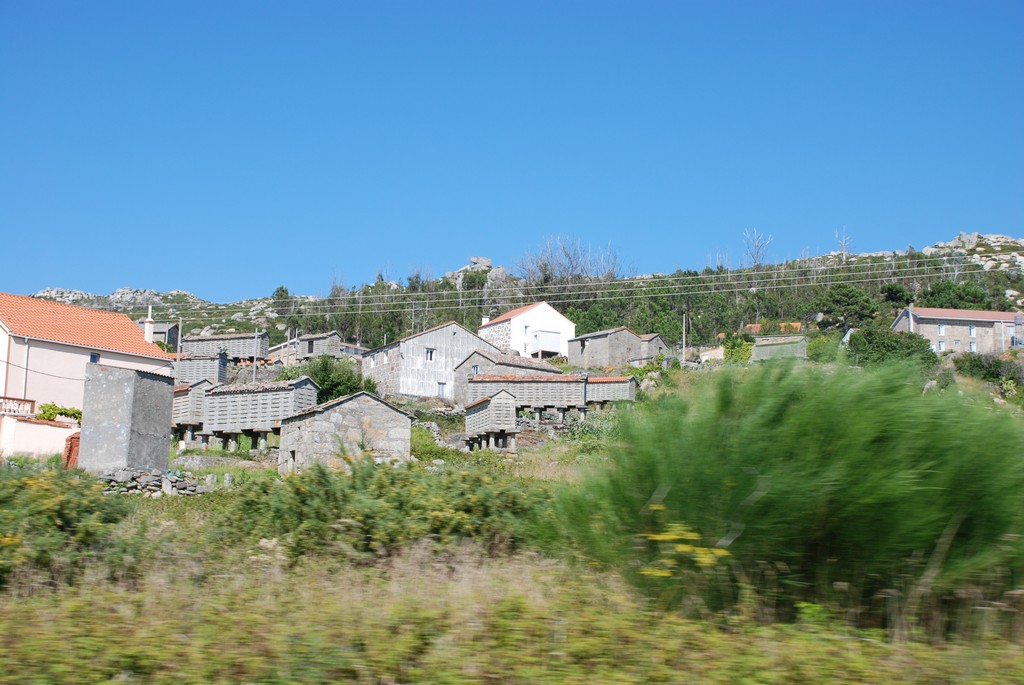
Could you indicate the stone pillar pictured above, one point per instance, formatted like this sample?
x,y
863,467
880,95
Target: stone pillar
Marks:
x,y
263,442
561,415
490,441
512,443
540,412
232,443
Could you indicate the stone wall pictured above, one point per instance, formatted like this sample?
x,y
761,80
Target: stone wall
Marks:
x,y
348,427
499,335
126,420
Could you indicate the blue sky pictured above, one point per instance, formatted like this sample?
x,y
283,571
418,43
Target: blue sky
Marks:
x,y
227,148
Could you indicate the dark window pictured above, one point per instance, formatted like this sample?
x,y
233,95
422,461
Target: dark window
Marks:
x,y
430,354
309,347
94,357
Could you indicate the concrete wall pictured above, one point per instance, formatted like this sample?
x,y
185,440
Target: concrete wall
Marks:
x,y
362,423
239,346
126,420
24,436
192,369
57,371
615,349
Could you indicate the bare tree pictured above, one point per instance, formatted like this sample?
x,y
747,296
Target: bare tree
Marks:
x,y
755,246
565,261
845,242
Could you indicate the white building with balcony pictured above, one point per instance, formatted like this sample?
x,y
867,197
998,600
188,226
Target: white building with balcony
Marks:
x,y
536,330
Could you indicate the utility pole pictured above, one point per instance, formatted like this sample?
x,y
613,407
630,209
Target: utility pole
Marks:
x,y
684,336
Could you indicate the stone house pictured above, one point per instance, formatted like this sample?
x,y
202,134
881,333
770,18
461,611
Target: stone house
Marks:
x,y
350,426
493,363
256,409
237,345
423,364
615,348
491,422
331,344
536,330
963,330
45,347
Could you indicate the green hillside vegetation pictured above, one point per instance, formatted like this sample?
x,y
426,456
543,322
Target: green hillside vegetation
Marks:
x,y
767,524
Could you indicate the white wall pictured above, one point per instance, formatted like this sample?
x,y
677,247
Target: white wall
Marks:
x,y
543,317
57,371
25,438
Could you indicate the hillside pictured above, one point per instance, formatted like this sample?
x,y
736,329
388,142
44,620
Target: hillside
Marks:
x,y
594,295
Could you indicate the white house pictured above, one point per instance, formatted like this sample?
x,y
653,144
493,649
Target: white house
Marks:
x,y
536,330
44,347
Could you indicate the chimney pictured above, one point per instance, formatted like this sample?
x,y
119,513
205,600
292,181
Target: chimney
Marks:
x,y
486,320
147,326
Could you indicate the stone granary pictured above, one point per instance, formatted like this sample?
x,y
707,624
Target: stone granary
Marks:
x,y
344,428
192,369
256,409
189,407
778,346
491,422
615,348
539,393
492,363
126,420
237,345
423,364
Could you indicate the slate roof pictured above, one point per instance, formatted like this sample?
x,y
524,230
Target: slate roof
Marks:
x,y
965,314
80,326
268,386
342,400
513,360
225,336
415,335
482,378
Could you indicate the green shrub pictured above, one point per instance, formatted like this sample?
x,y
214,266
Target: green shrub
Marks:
x,y
824,348
49,411
876,345
53,521
377,509
808,479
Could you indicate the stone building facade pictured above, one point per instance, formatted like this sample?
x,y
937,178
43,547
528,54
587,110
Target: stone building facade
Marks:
x,y
963,330
615,348
236,345
345,428
423,364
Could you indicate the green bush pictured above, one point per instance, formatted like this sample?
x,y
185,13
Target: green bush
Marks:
x,y
824,348
807,479
377,509
879,345
53,521
48,411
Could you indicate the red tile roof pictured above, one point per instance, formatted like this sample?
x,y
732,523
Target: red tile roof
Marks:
x,y
508,315
609,379
81,326
966,314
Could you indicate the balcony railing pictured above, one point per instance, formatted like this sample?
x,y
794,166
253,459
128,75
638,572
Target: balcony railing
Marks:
x,y
13,405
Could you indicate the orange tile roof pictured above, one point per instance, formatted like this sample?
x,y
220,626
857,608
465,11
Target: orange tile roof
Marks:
x,y
81,326
508,315
609,379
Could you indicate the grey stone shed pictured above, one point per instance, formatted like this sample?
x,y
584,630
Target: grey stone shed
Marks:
x,y
192,369
126,420
189,406
346,427
615,348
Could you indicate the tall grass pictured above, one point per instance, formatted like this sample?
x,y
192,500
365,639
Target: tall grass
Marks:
x,y
847,488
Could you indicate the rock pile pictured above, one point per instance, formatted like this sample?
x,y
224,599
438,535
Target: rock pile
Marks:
x,y
158,484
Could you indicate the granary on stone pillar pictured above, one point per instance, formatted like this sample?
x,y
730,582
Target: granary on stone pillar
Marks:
x,y
343,429
491,422
126,420
256,409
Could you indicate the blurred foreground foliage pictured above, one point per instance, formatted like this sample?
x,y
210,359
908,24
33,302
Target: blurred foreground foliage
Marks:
x,y
374,510
842,487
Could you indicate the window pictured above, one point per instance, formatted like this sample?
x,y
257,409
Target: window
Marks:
x,y
94,357
956,343
430,354
973,330
942,346
309,347
974,346
942,329
441,389
476,369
